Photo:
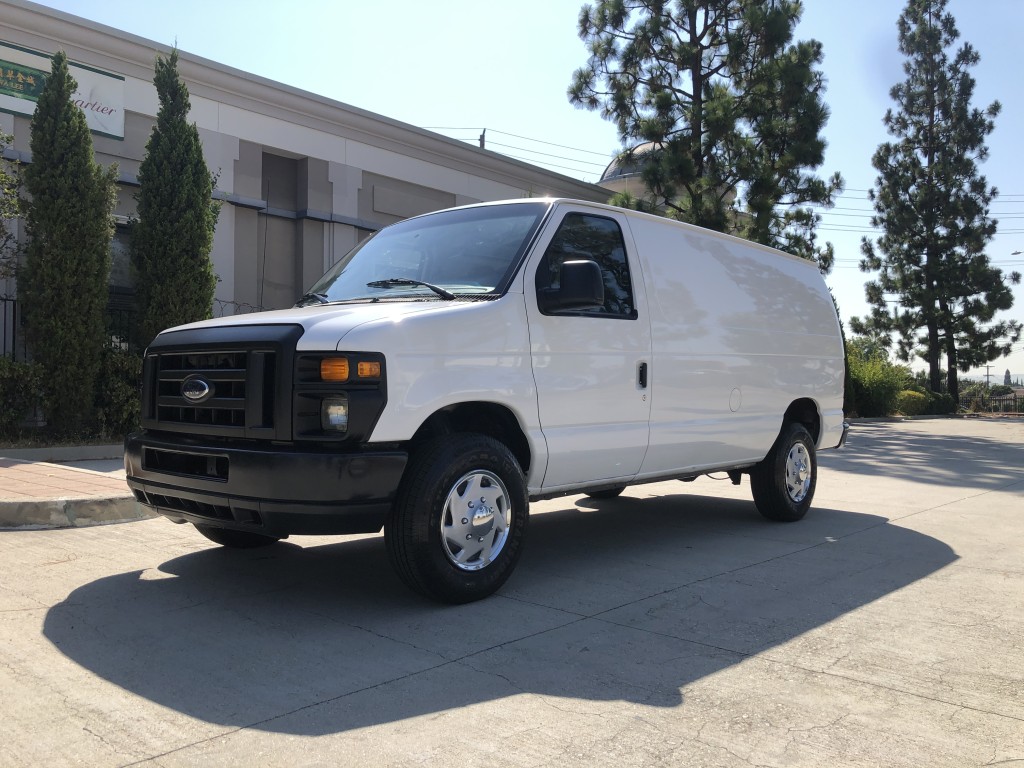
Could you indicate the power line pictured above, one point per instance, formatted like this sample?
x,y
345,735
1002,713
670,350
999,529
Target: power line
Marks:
x,y
607,155
551,143
545,163
547,154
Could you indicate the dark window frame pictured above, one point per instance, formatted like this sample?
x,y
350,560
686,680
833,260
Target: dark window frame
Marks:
x,y
543,268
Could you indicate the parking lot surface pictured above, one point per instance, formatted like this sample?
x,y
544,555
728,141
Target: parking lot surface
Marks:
x,y
672,626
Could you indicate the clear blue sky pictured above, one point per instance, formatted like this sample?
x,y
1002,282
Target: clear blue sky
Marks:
x,y
459,66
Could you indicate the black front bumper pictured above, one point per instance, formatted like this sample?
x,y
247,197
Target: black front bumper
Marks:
x,y
272,489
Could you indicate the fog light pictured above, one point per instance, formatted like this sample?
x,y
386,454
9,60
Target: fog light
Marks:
x,y
334,414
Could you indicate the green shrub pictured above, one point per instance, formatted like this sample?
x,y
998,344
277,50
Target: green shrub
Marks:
x,y
940,404
118,391
911,403
20,391
877,383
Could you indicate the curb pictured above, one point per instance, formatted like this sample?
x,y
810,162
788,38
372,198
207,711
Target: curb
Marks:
x,y
71,513
71,497
65,453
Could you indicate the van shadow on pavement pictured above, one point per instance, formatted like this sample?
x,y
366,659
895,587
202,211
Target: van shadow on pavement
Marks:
x,y
629,599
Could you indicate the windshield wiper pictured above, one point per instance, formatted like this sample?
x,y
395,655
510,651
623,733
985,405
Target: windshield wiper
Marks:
x,y
399,282
312,298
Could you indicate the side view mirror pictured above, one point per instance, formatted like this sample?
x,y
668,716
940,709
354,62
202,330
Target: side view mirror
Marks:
x,y
580,286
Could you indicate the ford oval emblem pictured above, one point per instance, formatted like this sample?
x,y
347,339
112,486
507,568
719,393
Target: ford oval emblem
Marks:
x,y
196,389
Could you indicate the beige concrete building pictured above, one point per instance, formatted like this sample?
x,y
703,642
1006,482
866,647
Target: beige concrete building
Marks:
x,y
303,178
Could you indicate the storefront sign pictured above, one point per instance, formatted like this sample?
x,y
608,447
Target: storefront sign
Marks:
x,y
100,95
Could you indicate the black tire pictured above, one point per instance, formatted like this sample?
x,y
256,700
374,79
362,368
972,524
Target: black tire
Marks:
x,y
228,537
607,493
783,483
423,538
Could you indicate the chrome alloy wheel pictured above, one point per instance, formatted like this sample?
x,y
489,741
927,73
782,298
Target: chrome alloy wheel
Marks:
x,y
475,520
798,472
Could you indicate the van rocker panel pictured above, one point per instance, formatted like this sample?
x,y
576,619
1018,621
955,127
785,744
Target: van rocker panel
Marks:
x,y
273,491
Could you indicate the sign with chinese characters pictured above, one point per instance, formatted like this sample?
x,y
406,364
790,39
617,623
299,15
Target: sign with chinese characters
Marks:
x,y
100,95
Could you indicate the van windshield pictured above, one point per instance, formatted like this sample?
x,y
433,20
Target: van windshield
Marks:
x,y
457,253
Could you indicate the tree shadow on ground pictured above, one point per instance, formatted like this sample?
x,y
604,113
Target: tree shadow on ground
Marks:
x,y
629,599
966,461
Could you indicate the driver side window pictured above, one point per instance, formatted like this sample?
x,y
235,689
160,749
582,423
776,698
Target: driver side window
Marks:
x,y
591,238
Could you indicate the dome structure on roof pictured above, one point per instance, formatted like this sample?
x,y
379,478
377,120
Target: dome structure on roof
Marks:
x,y
623,173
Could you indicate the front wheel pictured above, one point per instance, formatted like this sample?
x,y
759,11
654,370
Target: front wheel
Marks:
x,y
783,483
459,522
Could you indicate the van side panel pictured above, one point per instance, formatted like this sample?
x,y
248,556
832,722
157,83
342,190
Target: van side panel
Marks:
x,y
739,331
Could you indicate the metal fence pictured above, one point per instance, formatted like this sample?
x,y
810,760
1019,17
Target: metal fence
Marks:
x,y
120,326
12,345
989,404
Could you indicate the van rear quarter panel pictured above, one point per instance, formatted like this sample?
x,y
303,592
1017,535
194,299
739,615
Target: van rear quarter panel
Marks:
x,y
739,332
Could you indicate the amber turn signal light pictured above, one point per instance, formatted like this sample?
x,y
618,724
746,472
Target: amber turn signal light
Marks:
x,y
334,369
368,370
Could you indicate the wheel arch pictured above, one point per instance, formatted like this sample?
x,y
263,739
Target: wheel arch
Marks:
x,y
804,411
484,418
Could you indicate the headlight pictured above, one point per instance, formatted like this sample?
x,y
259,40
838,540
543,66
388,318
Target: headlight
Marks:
x,y
334,414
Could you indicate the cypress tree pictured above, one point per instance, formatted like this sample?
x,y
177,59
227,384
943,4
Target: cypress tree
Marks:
x,y
172,239
8,211
63,283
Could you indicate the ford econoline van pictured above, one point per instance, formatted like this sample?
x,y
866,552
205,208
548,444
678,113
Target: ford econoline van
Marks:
x,y
457,365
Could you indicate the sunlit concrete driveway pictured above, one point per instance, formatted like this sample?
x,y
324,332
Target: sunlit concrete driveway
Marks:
x,y
669,627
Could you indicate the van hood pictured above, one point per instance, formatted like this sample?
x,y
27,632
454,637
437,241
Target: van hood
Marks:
x,y
326,325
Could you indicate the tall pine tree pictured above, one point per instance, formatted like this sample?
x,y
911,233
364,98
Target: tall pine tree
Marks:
x,y
727,105
932,204
172,239
63,282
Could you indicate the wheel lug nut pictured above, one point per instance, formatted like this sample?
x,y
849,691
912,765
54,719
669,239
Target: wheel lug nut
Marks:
x,y
471,505
465,520
469,536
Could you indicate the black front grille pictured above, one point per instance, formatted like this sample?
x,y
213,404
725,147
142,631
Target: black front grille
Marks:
x,y
224,372
224,381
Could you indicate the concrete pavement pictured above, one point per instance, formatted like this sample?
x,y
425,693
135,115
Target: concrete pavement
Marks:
x,y
669,627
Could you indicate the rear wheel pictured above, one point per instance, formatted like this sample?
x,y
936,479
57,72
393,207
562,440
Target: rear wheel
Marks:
x,y
607,493
228,537
459,521
783,483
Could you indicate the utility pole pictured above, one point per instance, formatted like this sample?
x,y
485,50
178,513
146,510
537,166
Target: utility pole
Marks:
x,y
482,135
987,376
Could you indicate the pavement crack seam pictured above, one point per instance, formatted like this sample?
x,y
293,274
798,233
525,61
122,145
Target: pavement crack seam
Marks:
x,y
345,695
956,501
891,689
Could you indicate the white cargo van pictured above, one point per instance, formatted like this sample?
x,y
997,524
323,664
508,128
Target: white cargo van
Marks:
x,y
459,364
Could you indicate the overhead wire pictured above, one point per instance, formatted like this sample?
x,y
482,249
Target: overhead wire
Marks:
x,y
829,215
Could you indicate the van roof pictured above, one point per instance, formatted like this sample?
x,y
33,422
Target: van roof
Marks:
x,y
642,215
